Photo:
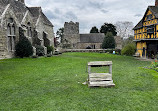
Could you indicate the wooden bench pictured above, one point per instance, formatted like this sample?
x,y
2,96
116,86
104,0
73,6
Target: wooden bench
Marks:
x,y
100,79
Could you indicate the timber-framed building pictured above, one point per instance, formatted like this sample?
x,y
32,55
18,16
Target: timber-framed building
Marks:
x,y
146,33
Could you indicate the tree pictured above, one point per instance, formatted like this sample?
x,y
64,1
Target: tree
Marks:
x,y
124,28
23,48
128,40
129,49
108,27
60,34
109,41
94,30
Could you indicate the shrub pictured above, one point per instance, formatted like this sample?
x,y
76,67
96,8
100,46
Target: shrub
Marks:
x,y
50,49
40,50
23,48
129,50
154,64
109,41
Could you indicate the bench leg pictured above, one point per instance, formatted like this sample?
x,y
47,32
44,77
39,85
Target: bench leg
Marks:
x,y
110,70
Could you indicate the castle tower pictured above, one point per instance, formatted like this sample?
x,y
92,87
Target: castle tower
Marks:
x,y
156,3
71,34
71,28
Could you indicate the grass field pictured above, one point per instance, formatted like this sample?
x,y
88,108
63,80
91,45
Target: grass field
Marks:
x,y
55,84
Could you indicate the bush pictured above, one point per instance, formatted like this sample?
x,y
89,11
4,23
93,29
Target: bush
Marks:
x,y
154,64
40,50
23,48
109,41
129,50
50,49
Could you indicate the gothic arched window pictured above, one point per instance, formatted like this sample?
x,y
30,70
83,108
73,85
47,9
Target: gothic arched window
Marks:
x,y
29,30
11,34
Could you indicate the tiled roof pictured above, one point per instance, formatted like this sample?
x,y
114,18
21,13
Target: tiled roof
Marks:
x,y
35,11
154,10
20,10
3,4
46,21
139,25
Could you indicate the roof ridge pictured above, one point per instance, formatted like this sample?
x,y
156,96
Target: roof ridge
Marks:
x,y
34,7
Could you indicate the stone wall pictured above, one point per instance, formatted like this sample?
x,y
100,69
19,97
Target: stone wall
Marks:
x,y
71,34
26,23
71,28
4,51
50,34
74,40
92,45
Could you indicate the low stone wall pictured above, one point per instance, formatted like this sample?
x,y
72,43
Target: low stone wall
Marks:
x,y
85,50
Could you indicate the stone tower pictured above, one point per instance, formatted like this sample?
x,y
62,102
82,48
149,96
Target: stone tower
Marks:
x,y
71,34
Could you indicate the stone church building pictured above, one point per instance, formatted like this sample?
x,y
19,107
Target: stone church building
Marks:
x,y
74,40
15,15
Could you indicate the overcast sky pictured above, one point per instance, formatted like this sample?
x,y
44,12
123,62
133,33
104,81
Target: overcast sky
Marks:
x,y
91,13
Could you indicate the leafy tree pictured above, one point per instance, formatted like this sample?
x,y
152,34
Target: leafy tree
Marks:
x,y
23,48
108,27
60,34
109,41
129,49
94,30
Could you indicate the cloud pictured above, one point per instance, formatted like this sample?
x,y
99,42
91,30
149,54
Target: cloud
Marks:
x,y
71,15
91,13
104,11
138,15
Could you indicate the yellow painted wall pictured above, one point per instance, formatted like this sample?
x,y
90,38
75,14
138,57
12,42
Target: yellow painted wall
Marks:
x,y
140,46
141,33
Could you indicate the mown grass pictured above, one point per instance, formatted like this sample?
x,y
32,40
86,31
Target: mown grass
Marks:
x,y
55,84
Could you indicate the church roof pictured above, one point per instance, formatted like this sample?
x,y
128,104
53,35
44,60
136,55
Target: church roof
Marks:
x,y
139,25
20,9
92,38
36,11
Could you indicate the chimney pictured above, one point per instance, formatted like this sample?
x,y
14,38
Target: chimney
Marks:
x,y
22,1
156,3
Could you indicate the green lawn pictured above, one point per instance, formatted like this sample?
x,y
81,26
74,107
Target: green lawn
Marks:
x,y
55,84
